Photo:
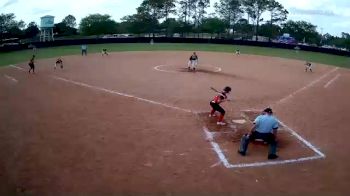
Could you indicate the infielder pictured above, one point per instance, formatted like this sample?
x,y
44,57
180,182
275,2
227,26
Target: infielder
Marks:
x,y
193,62
308,67
238,52
215,105
104,52
31,64
265,128
59,62
83,50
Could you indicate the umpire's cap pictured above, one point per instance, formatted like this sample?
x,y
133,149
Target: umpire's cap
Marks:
x,y
268,110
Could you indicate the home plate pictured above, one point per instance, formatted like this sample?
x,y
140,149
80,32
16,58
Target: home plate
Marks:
x,y
239,121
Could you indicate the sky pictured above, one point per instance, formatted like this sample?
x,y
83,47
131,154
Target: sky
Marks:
x,y
331,16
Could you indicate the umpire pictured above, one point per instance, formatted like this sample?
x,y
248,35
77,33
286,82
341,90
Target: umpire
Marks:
x,y
265,128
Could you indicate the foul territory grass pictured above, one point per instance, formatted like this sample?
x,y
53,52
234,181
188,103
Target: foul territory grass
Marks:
x,y
8,58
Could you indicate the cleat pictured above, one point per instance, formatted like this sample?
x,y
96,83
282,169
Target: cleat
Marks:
x,y
241,153
221,123
272,156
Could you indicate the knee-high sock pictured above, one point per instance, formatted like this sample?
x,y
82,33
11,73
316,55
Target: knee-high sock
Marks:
x,y
221,117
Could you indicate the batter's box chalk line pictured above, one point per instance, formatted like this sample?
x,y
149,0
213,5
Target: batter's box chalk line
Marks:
x,y
217,149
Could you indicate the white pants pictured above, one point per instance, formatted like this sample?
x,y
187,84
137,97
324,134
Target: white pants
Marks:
x,y
193,64
308,68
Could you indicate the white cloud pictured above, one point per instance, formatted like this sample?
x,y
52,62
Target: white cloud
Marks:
x,y
312,12
32,10
8,3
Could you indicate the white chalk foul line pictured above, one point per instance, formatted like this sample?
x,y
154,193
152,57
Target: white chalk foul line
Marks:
x,y
305,87
332,80
121,94
308,144
16,67
11,78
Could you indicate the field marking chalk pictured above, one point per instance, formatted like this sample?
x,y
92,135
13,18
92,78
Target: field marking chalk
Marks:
x,y
308,144
158,68
16,67
295,134
269,163
216,147
305,87
120,94
332,81
11,78
215,164
239,121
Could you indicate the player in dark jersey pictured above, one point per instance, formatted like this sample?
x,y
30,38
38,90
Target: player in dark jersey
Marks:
x,y
215,104
59,62
308,67
192,63
31,64
104,52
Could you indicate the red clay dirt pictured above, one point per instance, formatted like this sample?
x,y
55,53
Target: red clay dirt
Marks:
x,y
59,138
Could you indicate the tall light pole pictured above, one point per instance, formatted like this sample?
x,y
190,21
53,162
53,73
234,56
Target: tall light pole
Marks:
x,y
321,35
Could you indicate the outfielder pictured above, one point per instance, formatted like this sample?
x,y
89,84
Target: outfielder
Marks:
x,y
193,62
31,64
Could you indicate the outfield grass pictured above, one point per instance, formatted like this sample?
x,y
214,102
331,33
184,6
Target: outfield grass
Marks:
x,y
22,56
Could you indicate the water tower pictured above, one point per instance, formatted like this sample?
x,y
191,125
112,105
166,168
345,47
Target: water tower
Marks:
x,y
46,28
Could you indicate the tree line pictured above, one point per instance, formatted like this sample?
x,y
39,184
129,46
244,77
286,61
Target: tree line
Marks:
x,y
235,19
10,28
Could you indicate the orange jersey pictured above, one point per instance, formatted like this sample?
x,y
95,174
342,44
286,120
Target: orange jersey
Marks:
x,y
219,98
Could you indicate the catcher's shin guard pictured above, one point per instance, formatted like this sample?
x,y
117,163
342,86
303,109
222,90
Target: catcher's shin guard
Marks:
x,y
244,144
273,147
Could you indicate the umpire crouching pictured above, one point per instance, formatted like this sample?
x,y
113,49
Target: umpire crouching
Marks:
x,y
265,128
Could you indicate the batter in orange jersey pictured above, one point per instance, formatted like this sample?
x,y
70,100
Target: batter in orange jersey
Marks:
x,y
215,105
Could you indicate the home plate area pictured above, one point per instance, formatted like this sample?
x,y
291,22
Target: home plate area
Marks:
x,y
225,140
